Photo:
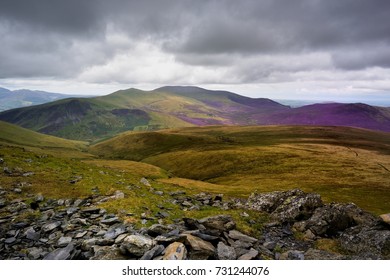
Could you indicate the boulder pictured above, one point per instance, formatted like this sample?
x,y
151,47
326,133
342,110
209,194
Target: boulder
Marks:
x,y
200,249
175,251
332,219
137,245
366,242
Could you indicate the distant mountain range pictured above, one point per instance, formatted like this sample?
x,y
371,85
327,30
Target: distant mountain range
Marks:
x,y
10,99
171,107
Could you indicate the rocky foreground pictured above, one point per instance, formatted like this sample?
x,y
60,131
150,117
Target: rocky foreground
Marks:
x,y
79,229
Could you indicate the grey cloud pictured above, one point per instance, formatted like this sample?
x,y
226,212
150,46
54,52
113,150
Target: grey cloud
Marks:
x,y
61,38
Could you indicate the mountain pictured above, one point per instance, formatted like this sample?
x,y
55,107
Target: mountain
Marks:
x,y
24,97
102,117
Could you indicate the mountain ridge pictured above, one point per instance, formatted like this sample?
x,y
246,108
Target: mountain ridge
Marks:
x,y
11,99
102,117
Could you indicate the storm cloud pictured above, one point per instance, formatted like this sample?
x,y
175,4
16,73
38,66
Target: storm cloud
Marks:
x,y
196,42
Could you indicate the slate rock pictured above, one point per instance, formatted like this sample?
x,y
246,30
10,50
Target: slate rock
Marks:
x,y
200,249
298,207
110,220
145,182
366,242
236,235
152,253
175,251
292,255
220,223
64,241
137,245
114,232
61,253
250,255
158,229
225,252
32,234
50,226
332,219
107,253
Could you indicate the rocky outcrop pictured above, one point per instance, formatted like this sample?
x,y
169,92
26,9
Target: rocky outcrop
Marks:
x,y
78,229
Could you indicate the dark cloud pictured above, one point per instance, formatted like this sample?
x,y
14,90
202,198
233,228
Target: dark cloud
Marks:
x,y
62,38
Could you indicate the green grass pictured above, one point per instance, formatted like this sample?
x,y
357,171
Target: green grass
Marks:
x,y
342,164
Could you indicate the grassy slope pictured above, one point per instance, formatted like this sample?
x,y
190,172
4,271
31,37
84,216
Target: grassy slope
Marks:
x,y
18,136
342,164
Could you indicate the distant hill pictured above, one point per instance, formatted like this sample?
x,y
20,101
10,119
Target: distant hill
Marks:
x,y
102,117
24,97
12,135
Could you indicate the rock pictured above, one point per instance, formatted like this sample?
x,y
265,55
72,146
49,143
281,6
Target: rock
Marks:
x,y
137,245
110,220
220,223
1,160
252,254
119,195
292,255
204,236
158,229
3,202
107,253
366,242
187,204
64,241
159,193
71,210
91,210
10,240
32,234
86,245
200,249
34,253
152,253
145,182
236,235
81,234
225,252
268,202
314,254
50,226
114,232
296,208
385,218
79,202
39,198
330,220
61,253
175,251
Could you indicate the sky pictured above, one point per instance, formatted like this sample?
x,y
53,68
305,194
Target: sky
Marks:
x,y
331,50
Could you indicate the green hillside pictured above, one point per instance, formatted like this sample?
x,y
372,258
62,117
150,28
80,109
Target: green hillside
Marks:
x,y
343,164
18,136
97,118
